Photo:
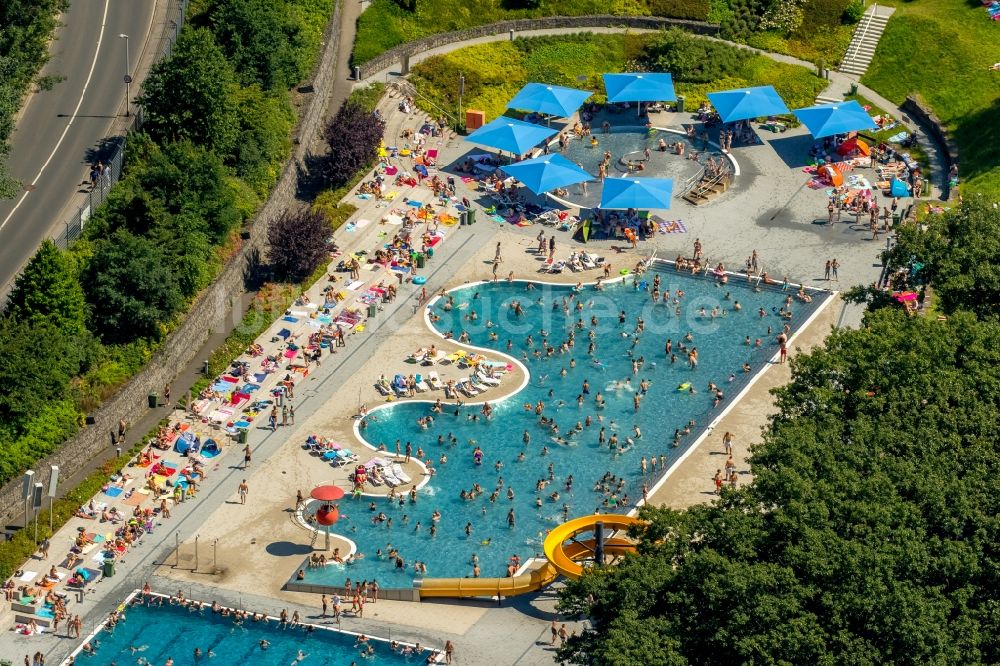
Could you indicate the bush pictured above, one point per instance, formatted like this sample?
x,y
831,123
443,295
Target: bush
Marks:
x,y
743,19
48,289
855,11
261,40
692,59
354,136
297,244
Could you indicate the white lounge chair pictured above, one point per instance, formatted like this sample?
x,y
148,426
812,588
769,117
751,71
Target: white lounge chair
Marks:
x,y
488,381
397,471
389,478
382,389
434,381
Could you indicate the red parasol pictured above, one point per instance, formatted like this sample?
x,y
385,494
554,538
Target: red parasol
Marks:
x,y
327,493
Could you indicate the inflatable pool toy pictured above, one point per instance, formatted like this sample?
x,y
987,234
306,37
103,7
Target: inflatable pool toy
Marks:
x,y
684,387
624,271
420,279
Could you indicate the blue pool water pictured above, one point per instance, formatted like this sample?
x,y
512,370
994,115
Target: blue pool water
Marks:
x,y
631,141
722,351
162,632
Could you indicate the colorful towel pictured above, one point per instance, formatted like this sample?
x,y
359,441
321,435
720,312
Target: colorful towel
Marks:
x,y
113,491
468,179
291,320
290,353
672,227
414,204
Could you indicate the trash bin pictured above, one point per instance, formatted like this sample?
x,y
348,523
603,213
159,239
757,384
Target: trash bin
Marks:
x,y
895,219
430,252
421,260
109,568
241,435
464,218
472,216
680,104
854,89
372,309
154,400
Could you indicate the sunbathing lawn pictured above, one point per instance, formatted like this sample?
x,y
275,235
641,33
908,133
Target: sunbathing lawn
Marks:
x,y
942,50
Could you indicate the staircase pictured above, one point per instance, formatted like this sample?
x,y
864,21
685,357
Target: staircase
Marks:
x,y
862,48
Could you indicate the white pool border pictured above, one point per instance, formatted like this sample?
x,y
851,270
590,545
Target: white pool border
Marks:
x,y
124,606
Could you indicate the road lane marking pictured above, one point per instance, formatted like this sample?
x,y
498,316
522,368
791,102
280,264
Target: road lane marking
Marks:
x,y
72,118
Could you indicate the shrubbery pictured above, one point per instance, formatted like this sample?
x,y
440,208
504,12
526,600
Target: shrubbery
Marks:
x,y
298,244
218,121
691,59
353,136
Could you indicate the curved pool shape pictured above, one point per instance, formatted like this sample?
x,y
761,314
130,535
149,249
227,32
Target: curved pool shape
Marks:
x,y
722,351
629,142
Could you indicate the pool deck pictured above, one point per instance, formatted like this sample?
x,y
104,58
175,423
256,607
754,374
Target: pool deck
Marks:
x,y
246,553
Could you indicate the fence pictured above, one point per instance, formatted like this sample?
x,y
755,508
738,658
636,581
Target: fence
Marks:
x,y
115,162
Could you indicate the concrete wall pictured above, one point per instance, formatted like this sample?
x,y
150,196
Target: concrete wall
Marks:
x,y
211,311
396,54
926,118
393,594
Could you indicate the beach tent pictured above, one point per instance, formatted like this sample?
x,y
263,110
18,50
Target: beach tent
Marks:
x,y
552,100
546,173
745,103
640,87
514,136
852,144
899,188
831,175
837,118
622,193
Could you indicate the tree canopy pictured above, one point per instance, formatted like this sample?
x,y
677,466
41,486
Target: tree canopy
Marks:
x,y
48,289
297,244
261,41
189,95
353,135
867,537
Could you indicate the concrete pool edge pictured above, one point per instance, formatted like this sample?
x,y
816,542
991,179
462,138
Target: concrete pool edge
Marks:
x,y
412,593
127,602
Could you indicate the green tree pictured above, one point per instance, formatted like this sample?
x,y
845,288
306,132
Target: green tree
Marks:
x,y
48,289
692,59
190,95
266,121
261,40
131,288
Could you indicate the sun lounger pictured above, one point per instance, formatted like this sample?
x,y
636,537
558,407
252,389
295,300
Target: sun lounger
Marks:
x,y
422,386
489,381
434,381
456,356
397,471
382,389
389,478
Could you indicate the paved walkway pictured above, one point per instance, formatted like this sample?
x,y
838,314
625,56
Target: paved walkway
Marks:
x,y
839,86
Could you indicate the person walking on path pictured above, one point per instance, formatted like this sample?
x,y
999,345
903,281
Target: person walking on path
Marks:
x,y
284,415
554,628
826,271
449,651
243,490
727,442
291,414
834,265
323,601
246,456
166,394
497,258
552,246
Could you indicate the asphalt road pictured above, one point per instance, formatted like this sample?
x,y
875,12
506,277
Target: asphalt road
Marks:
x,y
62,130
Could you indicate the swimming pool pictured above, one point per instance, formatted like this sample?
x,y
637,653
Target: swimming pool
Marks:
x,y
448,553
629,141
152,634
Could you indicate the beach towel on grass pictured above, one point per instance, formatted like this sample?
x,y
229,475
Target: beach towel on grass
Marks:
x,y
290,320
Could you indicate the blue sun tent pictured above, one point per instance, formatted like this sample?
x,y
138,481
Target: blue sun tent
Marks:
x,y
546,173
836,118
553,100
746,103
622,193
640,87
514,136
899,188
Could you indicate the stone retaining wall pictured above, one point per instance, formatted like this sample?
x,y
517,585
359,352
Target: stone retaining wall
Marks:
x,y
210,311
925,117
396,54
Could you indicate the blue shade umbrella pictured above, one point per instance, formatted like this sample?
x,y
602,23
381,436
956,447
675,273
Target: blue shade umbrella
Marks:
x,y
744,103
553,100
621,193
837,118
547,172
647,87
514,136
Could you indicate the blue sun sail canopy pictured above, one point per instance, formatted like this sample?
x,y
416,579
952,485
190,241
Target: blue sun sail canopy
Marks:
x,y
514,136
644,87
745,103
546,173
552,100
622,193
837,118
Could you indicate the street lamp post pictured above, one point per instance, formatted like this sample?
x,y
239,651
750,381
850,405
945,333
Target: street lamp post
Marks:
x,y
461,91
128,77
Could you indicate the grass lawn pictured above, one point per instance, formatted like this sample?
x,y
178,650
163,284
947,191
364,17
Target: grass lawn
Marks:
x,y
916,151
495,71
827,46
942,50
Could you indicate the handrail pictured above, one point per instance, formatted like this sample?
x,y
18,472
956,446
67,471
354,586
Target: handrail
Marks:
x,y
706,185
848,57
689,183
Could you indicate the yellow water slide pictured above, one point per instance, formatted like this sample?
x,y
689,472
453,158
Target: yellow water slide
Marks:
x,y
562,559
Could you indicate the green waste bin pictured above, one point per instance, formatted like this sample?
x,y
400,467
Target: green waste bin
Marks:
x,y
109,568
472,216
680,104
372,309
895,219
241,435
154,400
421,260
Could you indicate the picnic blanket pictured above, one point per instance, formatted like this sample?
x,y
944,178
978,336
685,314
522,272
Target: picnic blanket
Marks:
x,y
671,227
